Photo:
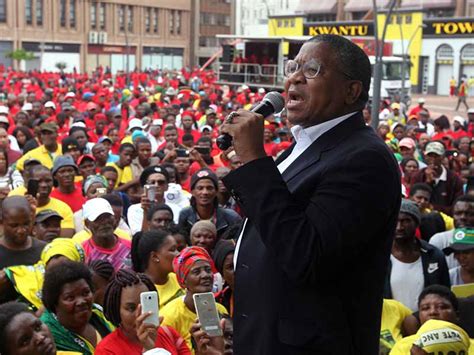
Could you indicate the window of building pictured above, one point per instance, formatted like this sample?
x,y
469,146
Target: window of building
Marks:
x,y
130,18
156,14
408,19
147,20
93,15
29,12
72,13
177,21
171,22
62,13
102,14
39,12
449,12
226,20
121,17
3,10
399,19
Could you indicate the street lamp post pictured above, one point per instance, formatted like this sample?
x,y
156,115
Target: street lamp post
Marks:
x,y
378,61
406,53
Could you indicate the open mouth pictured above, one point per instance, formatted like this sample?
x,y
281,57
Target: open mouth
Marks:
x,y
294,99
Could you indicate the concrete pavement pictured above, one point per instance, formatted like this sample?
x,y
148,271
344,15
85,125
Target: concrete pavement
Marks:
x,y
443,105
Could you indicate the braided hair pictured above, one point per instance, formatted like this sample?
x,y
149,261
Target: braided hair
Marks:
x,y
113,294
143,243
102,268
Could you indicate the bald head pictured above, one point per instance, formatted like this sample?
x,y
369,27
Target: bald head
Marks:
x,y
15,203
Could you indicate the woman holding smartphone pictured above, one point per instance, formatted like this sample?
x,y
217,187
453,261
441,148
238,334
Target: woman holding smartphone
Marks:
x,y
133,334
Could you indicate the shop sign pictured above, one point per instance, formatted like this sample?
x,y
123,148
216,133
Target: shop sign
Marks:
x,y
353,29
452,27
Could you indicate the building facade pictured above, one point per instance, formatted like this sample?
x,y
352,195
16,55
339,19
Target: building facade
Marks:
x,y
436,37
86,33
210,17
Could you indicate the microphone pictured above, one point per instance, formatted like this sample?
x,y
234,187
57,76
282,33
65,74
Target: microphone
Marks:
x,y
271,103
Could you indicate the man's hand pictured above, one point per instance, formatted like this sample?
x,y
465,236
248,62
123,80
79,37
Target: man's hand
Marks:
x,y
146,204
207,345
246,130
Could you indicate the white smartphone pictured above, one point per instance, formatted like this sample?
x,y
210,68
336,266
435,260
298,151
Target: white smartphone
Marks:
x,y
149,302
207,313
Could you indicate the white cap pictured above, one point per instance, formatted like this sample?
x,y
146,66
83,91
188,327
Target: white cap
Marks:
x,y
70,95
421,100
78,124
471,110
205,127
50,104
171,91
157,122
261,91
105,83
135,123
4,110
27,106
95,207
459,119
4,119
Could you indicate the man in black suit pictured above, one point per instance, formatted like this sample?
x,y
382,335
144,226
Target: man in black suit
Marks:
x,y
311,259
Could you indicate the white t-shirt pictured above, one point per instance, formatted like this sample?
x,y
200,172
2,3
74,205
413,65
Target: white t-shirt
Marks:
x,y
443,240
407,281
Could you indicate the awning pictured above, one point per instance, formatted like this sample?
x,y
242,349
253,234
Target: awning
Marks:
x,y
364,5
316,7
425,4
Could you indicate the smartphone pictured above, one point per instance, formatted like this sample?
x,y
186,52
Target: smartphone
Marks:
x,y
150,191
203,150
32,188
101,191
207,313
149,302
182,153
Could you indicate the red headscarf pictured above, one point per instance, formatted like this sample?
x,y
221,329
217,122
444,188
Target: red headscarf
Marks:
x,y
183,262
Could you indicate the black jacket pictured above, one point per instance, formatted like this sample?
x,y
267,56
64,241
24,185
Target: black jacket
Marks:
x,y
225,218
312,261
435,269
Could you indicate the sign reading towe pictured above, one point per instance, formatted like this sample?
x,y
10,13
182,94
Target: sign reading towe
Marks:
x,y
452,27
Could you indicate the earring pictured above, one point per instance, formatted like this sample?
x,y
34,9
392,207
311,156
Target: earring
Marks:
x,y
157,260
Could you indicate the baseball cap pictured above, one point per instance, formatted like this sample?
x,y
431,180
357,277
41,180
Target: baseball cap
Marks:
x,y
91,106
209,128
411,208
421,100
135,123
210,111
79,124
66,106
50,104
441,337
49,126
27,106
87,95
395,106
459,119
203,174
407,142
70,95
463,239
46,214
157,122
170,91
62,161
4,119
436,148
4,110
95,207
105,138
84,157
155,169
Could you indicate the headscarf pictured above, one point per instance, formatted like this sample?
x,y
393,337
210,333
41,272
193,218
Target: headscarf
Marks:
x,y
220,252
92,179
28,279
183,262
204,225
65,247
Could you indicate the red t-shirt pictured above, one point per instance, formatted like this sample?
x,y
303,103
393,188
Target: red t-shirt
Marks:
x,y
75,200
117,343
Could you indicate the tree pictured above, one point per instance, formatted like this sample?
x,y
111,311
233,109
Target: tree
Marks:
x,y
20,54
61,66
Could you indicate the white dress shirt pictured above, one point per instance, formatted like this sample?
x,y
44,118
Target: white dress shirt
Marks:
x,y
304,137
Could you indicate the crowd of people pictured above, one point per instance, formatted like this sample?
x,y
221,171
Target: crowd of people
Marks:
x,y
112,186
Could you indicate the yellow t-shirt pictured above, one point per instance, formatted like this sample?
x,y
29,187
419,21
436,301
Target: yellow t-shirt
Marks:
x,y
46,158
67,353
181,318
393,314
62,209
18,191
85,234
169,291
124,175
436,337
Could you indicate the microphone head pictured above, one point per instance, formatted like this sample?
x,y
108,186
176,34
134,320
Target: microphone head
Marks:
x,y
275,99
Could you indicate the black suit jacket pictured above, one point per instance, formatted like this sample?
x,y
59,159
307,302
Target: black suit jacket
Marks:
x,y
312,261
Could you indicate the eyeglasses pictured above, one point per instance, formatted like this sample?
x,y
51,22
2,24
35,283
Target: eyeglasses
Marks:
x,y
311,69
156,182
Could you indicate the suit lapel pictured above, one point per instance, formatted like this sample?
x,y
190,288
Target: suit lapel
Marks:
x,y
327,141
285,154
